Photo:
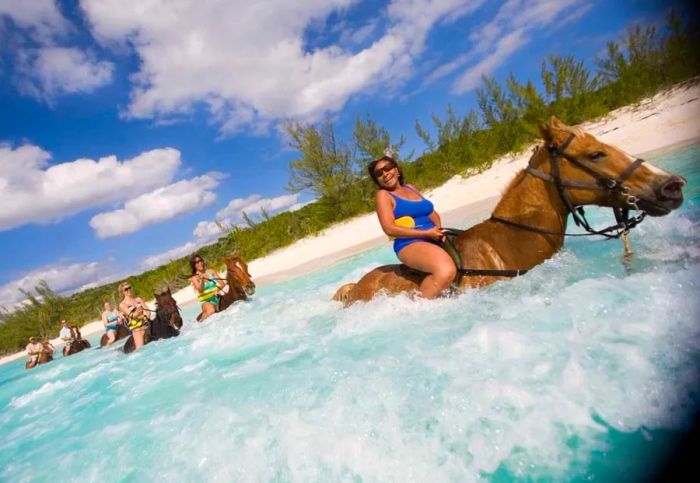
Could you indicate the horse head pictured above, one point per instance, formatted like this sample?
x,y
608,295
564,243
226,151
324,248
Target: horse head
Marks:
x,y
167,309
237,274
592,172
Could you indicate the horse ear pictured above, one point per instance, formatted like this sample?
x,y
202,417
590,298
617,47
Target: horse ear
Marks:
x,y
556,123
545,132
237,253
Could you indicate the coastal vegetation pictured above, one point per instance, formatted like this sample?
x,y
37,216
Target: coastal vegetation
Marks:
x,y
647,59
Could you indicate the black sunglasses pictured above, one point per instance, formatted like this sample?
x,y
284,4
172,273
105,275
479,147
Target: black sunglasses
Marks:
x,y
380,171
127,288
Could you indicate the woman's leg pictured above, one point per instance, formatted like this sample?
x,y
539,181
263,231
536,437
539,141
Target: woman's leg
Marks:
x,y
111,336
208,309
138,335
432,259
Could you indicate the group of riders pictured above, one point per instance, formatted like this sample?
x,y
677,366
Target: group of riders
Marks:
x,y
404,214
132,316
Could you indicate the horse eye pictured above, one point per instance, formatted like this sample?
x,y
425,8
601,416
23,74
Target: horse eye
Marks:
x,y
596,155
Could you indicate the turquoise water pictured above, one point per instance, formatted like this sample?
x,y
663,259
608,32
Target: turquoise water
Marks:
x,y
583,369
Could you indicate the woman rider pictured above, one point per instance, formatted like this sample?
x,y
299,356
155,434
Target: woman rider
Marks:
x,y
207,285
110,319
406,215
134,309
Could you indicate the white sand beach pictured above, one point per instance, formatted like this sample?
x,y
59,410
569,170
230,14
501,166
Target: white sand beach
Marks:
x,y
668,119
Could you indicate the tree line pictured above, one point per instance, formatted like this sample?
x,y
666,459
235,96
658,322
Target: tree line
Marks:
x,y
644,61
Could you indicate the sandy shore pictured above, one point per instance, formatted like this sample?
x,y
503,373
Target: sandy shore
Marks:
x,y
664,121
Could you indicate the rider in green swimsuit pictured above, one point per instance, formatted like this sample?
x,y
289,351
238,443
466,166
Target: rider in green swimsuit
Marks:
x,y
206,285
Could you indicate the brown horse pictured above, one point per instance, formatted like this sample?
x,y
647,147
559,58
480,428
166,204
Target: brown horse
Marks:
x,y
165,325
122,332
570,169
77,344
44,357
240,283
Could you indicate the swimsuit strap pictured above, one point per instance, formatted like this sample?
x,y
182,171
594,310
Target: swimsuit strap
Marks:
x,y
413,189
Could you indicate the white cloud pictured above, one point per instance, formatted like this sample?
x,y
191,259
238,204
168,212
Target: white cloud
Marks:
x,y
505,47
43,68
51,71
247,61
172,254
254,205
159,205
232,214
209,230
498,39
298,206
41,16
62,278
31,191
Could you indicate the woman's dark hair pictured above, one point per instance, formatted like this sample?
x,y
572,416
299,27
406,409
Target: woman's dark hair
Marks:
x,y
389,159
193,263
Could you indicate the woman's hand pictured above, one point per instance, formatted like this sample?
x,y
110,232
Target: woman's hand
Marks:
x,y
434,233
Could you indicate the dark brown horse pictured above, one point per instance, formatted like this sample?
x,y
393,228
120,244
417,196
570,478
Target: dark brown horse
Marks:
x,y
122,333
166,324
240,283
44,357
570,169
77,344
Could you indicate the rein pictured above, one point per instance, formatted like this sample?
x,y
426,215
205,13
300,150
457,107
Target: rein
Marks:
x,y
614,186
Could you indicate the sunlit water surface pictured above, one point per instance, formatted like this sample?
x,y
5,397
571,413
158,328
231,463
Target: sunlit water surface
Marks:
x,y
582,369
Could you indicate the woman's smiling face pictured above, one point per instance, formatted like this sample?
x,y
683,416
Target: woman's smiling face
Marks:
x,y
387,174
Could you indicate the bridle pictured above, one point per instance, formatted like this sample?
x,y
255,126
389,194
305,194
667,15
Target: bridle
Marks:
x,y
614,186
166,312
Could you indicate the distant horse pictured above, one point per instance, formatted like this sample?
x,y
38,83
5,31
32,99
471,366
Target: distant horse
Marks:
x,y
240,283
77,343
44,357
166,324
571,169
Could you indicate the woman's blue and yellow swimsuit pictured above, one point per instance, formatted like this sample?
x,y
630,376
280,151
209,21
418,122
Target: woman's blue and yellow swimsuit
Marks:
x,y
419,211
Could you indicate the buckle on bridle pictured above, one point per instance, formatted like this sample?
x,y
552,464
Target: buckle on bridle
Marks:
x,y
611,184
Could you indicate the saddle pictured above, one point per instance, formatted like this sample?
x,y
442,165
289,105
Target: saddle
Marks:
x,y
448,245
450,235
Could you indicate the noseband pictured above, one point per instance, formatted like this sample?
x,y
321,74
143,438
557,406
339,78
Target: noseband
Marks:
x,y
613,186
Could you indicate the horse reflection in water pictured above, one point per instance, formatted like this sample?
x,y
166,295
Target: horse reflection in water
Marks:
x,y
238,280
166,324
570,169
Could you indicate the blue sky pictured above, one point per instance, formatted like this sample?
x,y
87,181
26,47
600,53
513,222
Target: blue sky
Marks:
x,y
128,127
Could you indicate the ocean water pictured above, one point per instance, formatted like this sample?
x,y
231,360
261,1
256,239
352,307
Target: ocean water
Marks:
x,y
584,369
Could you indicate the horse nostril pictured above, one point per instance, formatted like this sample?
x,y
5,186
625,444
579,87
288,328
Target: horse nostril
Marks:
x,y
672,189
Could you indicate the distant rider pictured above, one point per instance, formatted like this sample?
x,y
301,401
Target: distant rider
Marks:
x,y
207,285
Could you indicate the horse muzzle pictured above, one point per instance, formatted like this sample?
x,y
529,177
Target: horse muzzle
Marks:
x,y
666,197
249,289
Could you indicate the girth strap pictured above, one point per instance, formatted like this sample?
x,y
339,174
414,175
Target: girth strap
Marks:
x,y
450,235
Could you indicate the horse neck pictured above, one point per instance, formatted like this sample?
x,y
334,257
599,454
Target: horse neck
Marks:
x,y
534,202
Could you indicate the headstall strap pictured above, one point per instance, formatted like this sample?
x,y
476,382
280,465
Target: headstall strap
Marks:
x,y
624,222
